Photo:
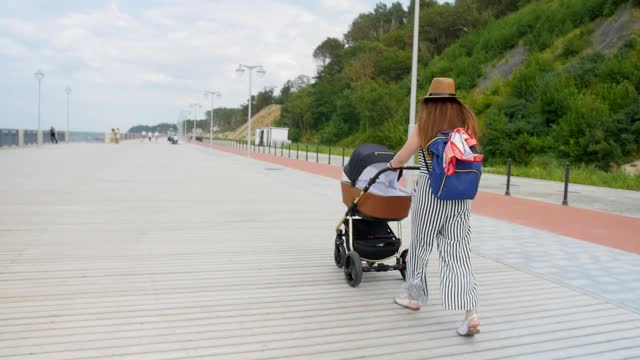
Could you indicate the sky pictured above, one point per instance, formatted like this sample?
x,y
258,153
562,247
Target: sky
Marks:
x,y
144,61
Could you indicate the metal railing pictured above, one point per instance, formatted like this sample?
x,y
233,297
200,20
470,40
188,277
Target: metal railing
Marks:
x,y
28,137
337,155
565,187
8,137
321,154
84,136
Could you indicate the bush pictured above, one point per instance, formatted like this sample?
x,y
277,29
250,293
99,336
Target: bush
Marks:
x,y
579,135
553,98
576,44
393,65
585,69
333,132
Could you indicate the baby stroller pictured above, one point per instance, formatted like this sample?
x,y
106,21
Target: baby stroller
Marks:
x,y
373,197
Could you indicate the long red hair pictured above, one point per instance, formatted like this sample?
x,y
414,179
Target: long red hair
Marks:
x,y
438,115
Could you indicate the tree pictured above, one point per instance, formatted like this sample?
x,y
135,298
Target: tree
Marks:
x,y
375,103
362,65
362,28
327,50
373,25
301,81
441,25
161,128
296,113
290,87
264,98
285,92
498,8
397,16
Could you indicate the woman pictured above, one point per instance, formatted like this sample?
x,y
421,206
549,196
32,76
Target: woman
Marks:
x,y
444,222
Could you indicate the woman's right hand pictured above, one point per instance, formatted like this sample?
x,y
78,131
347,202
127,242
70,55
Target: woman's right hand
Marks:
x,y
392,165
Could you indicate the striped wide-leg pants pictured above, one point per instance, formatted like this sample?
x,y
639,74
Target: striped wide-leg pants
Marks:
x,y
446,224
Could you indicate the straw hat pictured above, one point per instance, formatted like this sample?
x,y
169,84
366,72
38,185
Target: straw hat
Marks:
x,y
441,88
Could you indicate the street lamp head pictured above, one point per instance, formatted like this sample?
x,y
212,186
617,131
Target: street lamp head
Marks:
x,y
67,90
39,75
240,70
212,93
261,71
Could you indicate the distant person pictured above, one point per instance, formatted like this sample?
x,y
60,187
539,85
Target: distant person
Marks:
x,y
156,135
112,137
52,135
150,135
441,222
144,135
117,135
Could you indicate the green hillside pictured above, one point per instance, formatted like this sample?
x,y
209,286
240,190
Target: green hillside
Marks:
x,y
568,92
161,128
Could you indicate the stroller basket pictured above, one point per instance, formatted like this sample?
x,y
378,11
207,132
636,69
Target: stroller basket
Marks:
x,y
373,240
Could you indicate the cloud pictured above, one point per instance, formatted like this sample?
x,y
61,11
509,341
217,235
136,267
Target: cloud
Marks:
x,y
11,48
159,79
165,51
341,5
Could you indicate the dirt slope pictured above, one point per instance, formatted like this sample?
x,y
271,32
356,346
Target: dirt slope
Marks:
x,y
503,69
623,25
265,118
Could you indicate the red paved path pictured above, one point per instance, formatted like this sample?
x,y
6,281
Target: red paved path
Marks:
x,y
617,231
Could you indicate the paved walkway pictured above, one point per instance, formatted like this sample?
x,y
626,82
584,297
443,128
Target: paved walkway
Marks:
x,y
152,251
615,201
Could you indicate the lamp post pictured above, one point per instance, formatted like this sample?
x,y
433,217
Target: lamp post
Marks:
x,y
414,71
39,75
67,90
183,122
240,70
195,116
181,117
213,94
179,123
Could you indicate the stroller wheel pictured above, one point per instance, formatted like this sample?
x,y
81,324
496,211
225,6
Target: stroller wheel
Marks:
x,y
403,262
353,269
339,253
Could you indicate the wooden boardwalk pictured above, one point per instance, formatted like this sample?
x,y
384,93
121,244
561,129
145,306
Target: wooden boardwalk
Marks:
x,y
152,251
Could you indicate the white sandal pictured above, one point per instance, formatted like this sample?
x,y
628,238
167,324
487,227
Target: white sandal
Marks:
x,y
470,326
407,302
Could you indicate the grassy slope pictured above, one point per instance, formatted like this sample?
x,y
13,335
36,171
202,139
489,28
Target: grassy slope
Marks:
x,y
626,21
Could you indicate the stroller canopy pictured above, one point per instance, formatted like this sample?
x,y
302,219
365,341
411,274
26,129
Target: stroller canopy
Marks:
x,y
364,156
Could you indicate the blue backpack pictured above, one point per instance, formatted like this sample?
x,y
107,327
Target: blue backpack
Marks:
x,y
462,183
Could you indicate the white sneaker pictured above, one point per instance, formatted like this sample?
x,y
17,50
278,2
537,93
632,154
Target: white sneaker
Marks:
x,y
470,326
407,302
